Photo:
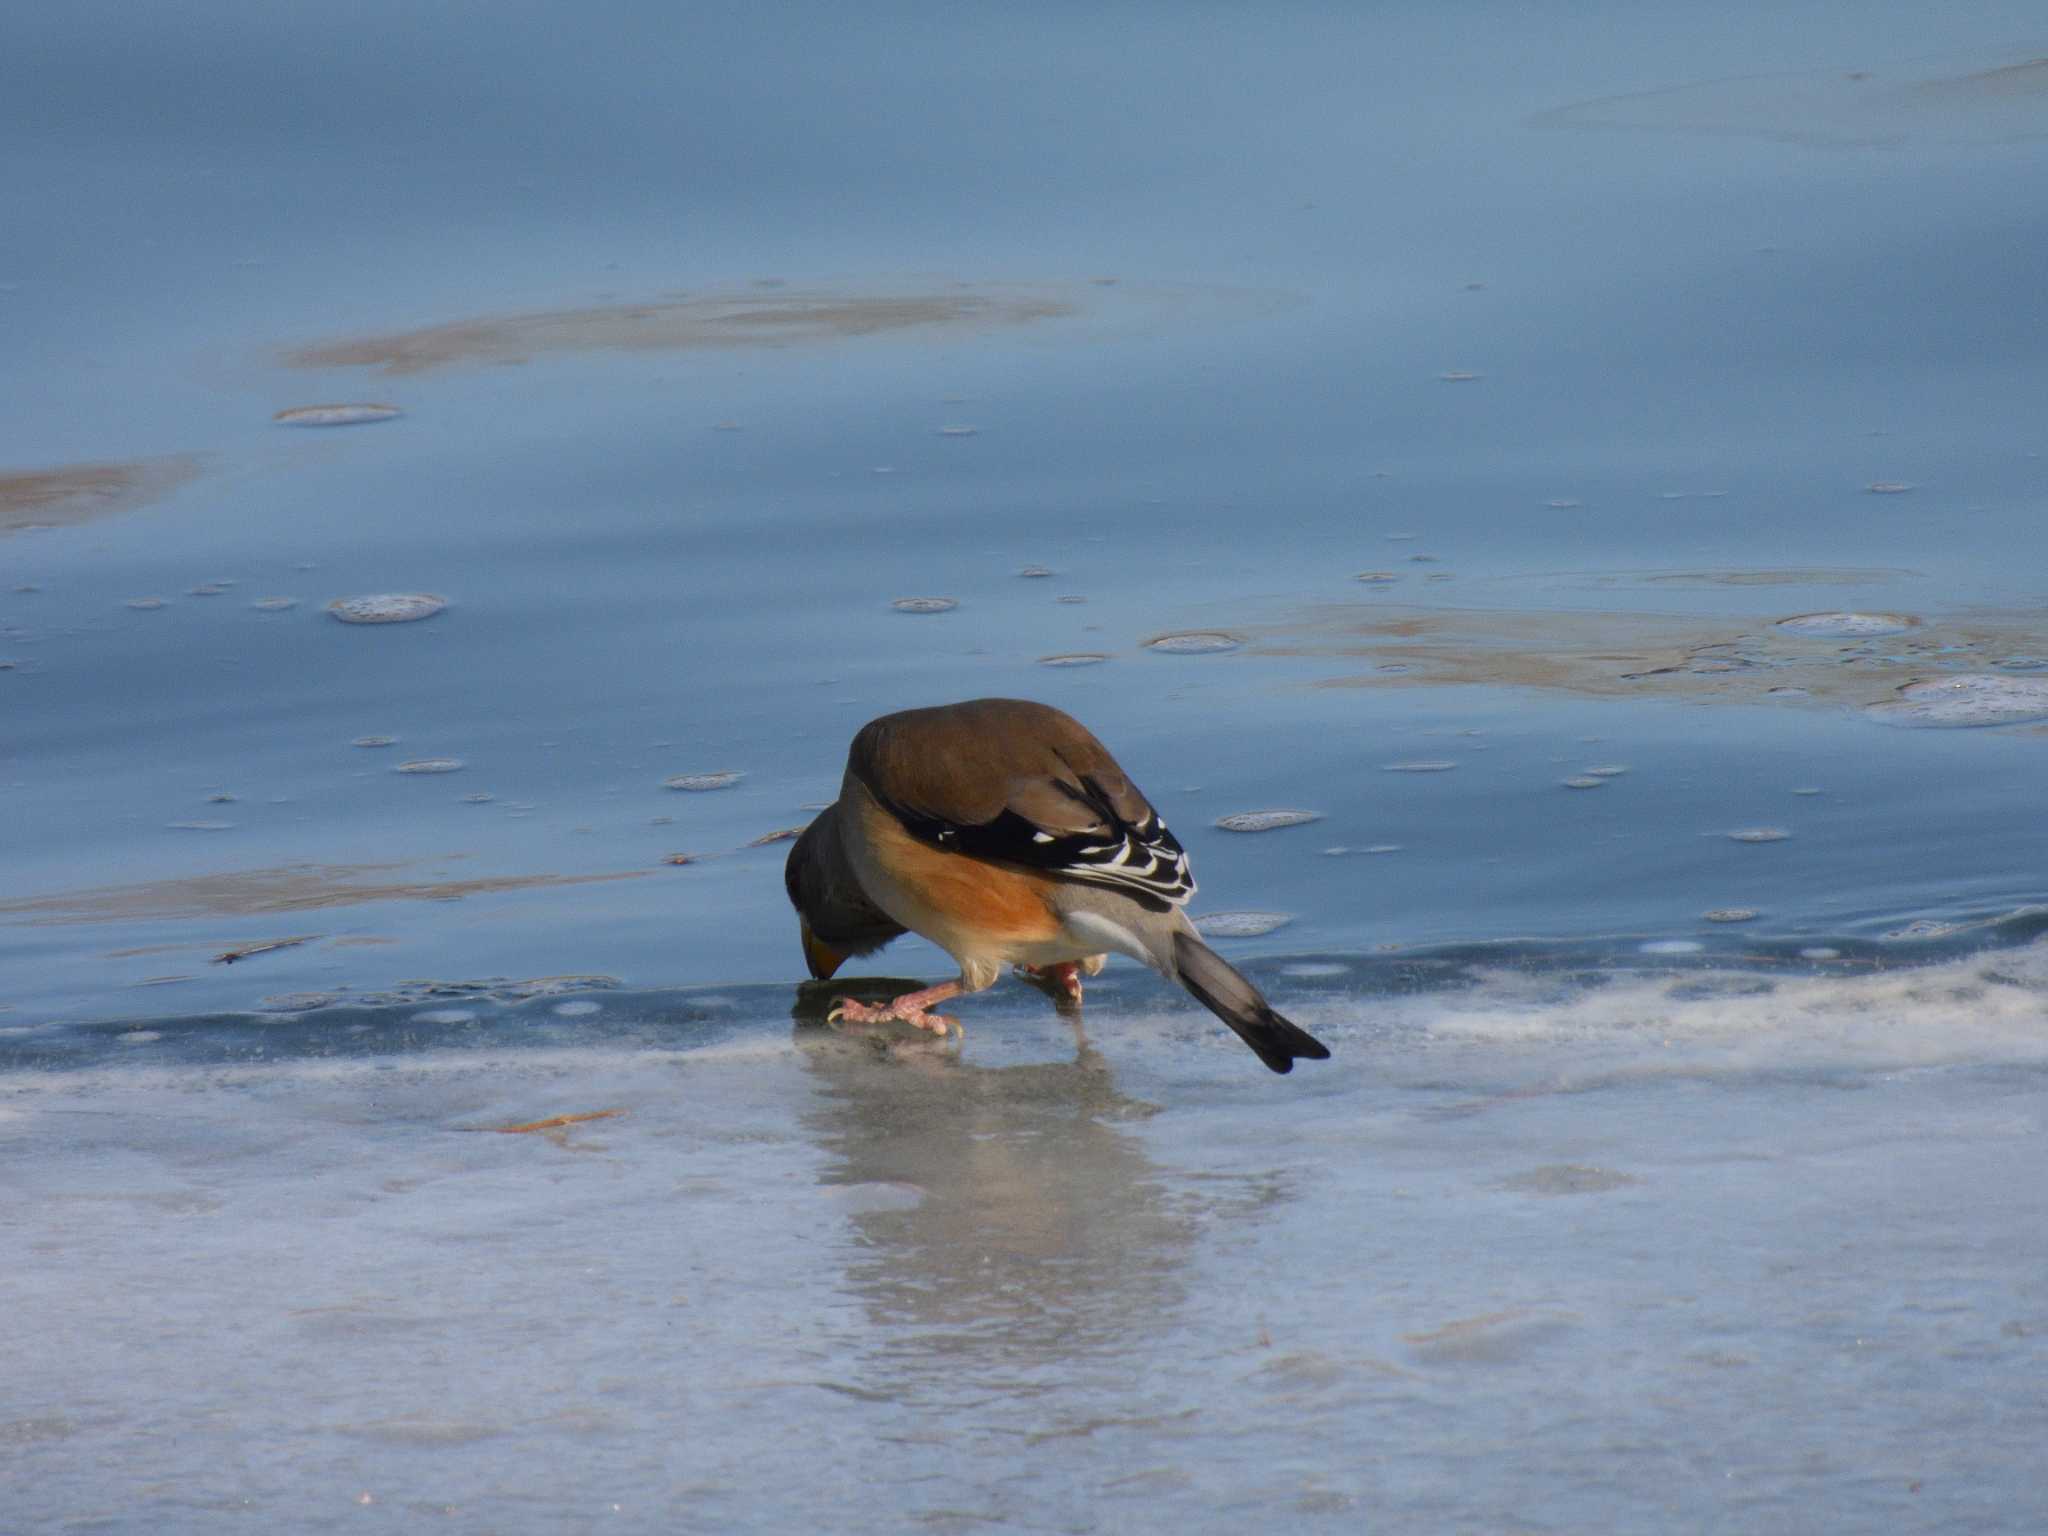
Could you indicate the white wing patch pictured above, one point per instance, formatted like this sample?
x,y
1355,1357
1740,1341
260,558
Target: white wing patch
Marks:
x,y
1147,859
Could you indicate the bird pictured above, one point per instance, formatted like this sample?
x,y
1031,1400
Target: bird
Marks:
x,y
1005,833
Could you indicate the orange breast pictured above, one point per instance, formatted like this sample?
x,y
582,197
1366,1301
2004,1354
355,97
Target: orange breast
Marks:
x,y
961,904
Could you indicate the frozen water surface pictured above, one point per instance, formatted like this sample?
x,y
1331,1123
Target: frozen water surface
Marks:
x,y
1560,1244
1969,701
397,1157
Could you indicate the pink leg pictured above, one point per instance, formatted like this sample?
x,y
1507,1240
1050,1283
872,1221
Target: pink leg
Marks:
x,y
1063,979
909,1008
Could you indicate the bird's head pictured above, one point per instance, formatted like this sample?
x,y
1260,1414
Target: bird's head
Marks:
x,y
805,878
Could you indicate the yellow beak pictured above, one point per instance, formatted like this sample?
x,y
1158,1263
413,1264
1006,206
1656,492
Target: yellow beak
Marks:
x,y
822,959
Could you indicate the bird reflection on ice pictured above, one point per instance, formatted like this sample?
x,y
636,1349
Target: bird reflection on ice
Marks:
x,y
1011,1222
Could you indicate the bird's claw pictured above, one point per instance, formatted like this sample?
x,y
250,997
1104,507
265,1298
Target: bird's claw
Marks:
x,y
852,1011
1063,981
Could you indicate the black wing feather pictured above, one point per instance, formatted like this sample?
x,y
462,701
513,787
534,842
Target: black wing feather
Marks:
x,y
1143,860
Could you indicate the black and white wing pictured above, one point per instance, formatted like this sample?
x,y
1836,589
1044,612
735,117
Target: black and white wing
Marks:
x,y
1088,840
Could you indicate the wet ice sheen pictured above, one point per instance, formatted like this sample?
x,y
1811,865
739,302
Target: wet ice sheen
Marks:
x,y
708,1225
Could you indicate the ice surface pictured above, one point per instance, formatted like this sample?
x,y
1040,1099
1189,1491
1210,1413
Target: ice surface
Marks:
x,y
1964,702
1543,1247
443,1153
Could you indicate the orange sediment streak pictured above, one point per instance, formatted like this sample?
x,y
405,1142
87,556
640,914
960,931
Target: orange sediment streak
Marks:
x,y
553,1122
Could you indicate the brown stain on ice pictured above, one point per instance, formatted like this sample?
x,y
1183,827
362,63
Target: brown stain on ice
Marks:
x,y
1958,100
252,892
69,494
552,1123
1697,658
2029,78
706,322
1710,578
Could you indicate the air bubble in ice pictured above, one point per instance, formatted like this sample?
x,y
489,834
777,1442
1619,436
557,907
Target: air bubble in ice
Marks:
x,y
295,1002
1240,925
925,604
1848,626
1970,699
387,607
356,415
1266,821
1922,928
697,783
1194,642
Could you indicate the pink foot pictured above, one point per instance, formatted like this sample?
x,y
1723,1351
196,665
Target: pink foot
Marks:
x,y
907,1009
1063,980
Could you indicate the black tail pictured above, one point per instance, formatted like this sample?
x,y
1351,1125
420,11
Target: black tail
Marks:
x,y
1219,988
